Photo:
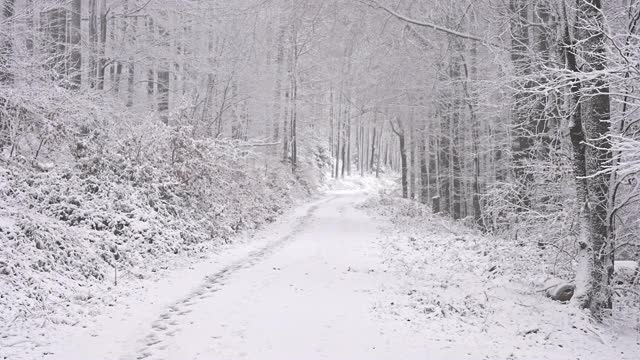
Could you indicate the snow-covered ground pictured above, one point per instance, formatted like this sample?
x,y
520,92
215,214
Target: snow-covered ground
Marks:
x,y
481,297
344,277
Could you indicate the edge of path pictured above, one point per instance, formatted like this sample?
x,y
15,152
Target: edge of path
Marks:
x,y
139,303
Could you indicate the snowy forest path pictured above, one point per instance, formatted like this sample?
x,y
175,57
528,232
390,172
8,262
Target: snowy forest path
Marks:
x,y
168,323
308,294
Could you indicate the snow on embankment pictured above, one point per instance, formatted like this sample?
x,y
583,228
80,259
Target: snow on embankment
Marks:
x,y
69,233
487,293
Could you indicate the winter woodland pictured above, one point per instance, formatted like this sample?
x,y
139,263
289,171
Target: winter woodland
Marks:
x,y
134,133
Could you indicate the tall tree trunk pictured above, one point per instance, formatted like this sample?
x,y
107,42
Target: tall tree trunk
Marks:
x,y
93,42
522,124
423,152
404,166
152,84
338,143
6,42
456,142
131,81
122,25
379,150
349,145
6,75
102,46
412,156
285,125
344,153
75,61
470,71
164,83
277,94
444,160
164,73
360,145
595,115
373,141
294,112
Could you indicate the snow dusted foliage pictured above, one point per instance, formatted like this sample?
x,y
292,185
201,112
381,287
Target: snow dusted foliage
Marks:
x,y
548,225
469,288
123,203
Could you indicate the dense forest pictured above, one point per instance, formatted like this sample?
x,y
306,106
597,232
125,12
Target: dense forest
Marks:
x,y
518,118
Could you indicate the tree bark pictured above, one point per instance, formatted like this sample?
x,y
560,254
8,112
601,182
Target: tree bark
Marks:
x,y
93,41
589,130
522,124
373,142
412,157
75,61
102,46
423,140
6,43
403,157
596,116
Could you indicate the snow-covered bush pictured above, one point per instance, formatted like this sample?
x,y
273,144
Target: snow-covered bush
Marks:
x,y
541,214
123,196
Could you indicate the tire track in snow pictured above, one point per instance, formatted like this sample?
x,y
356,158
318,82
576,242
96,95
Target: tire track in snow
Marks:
x,y
167,324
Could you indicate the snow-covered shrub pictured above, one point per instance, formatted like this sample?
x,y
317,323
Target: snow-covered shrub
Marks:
x,y
126,195
542,213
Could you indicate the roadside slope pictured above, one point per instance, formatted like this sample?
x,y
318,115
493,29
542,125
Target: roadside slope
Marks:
x,y
480,297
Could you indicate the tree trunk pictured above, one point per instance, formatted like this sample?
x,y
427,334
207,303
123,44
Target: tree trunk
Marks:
x,y
294,111
582,294
596,116
412,157
332,134
379,150
404,166
444,162
75,61
348,138
102,51
373,142
164,82
522,124
277,94
403,157
285,125
6,43
93,41
343,155
596,247
338,144
455,143
423,139
131,81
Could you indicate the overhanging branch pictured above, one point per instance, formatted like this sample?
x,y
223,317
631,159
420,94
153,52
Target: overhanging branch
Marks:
x,y
375,4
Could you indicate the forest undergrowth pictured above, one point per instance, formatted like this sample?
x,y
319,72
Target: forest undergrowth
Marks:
x,y
72,229
473,287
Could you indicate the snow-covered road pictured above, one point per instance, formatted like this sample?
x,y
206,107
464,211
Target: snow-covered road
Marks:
x,y
334,280
308,292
